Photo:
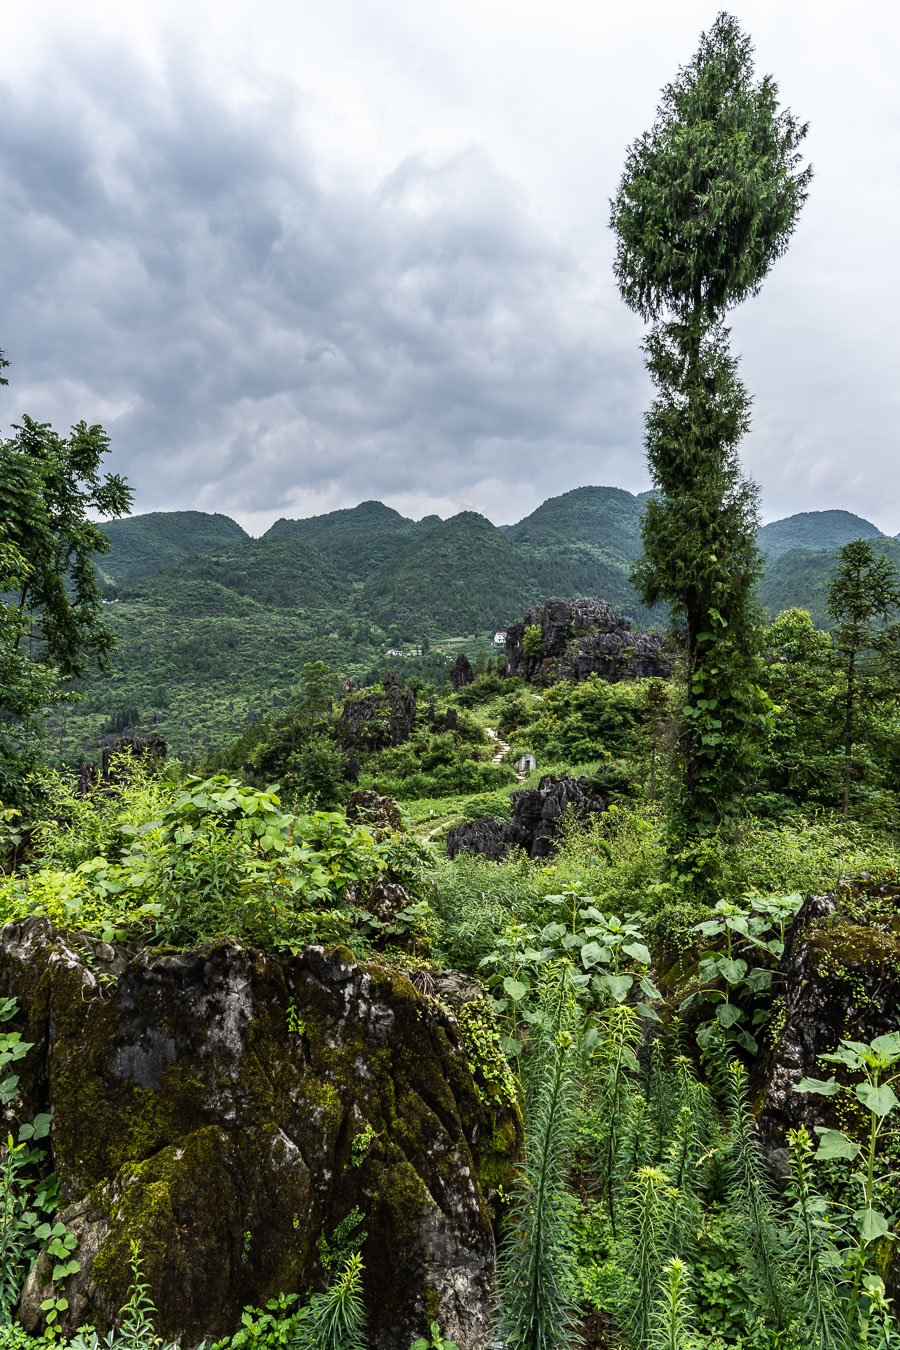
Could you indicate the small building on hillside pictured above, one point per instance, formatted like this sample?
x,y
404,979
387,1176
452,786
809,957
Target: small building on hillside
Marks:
x,y
499,639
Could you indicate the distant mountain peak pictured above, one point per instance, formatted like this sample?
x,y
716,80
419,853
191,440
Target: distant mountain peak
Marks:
x,y
814,530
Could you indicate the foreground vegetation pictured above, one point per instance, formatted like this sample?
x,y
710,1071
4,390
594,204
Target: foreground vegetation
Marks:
x,y
631,1000
632,1009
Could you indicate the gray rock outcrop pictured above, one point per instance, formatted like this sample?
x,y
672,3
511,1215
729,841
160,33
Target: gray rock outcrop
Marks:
x,y
381,814
461,673
231,1109
582,638
837,979
535,820
373,721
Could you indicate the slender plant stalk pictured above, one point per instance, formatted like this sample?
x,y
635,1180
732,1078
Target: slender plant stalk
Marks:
x,y
751,1197
671,1328
535,1306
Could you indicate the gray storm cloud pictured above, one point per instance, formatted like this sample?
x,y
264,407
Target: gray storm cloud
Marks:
x,y
195,257
261,344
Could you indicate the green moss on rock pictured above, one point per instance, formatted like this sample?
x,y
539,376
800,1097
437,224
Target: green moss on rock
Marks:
x,y
190,1117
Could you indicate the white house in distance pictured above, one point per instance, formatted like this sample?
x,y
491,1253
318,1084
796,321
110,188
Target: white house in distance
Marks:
x,y
499,639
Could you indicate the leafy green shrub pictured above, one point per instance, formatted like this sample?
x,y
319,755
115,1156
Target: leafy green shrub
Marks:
x,y
513,712
435,1340
495,804
533,641
26,1204
72,829
317,773
580,722
482,688
219,858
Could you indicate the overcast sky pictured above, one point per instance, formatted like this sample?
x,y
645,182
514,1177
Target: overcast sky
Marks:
x,y
295,254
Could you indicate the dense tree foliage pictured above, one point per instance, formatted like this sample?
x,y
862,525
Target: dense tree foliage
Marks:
x,y
50,486
707,202
863,597
50,617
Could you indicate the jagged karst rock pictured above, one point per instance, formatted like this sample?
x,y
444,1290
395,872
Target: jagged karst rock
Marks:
x,y
188,1114
461,673
351,769
366,807
535,820
582,638
373,721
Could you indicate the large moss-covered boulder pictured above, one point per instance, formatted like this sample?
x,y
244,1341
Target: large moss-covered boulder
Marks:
x,y
839,978
246,1117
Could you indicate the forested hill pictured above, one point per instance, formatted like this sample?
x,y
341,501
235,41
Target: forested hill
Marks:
x,y
361,539
143,545
817,530
606,520
799,579
461,576
274,573
430,577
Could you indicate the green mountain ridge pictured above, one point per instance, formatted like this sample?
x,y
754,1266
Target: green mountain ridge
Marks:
x,y
460,576
361,539
212,636
146,544
817,530
278,573
799,579
604,518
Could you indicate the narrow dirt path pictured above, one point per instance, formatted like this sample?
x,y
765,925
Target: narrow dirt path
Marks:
x,y
502,747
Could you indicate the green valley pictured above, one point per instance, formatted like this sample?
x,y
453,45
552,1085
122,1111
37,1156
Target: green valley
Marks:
x,y
213,626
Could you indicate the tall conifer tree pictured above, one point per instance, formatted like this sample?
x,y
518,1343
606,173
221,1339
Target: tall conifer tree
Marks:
x,y
708,201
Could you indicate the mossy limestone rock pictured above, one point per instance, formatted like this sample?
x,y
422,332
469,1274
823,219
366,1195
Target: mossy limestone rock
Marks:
x,y
838,978
231,1110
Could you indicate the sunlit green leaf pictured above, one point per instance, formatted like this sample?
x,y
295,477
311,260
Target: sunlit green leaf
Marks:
x,y
835,1144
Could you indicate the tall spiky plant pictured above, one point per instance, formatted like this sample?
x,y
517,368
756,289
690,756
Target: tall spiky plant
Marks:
x,y
536,1311
644,1248
752,1197
616,1064
671,1321
336,1319
695,1133
660,1093
636,1149
815,1255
